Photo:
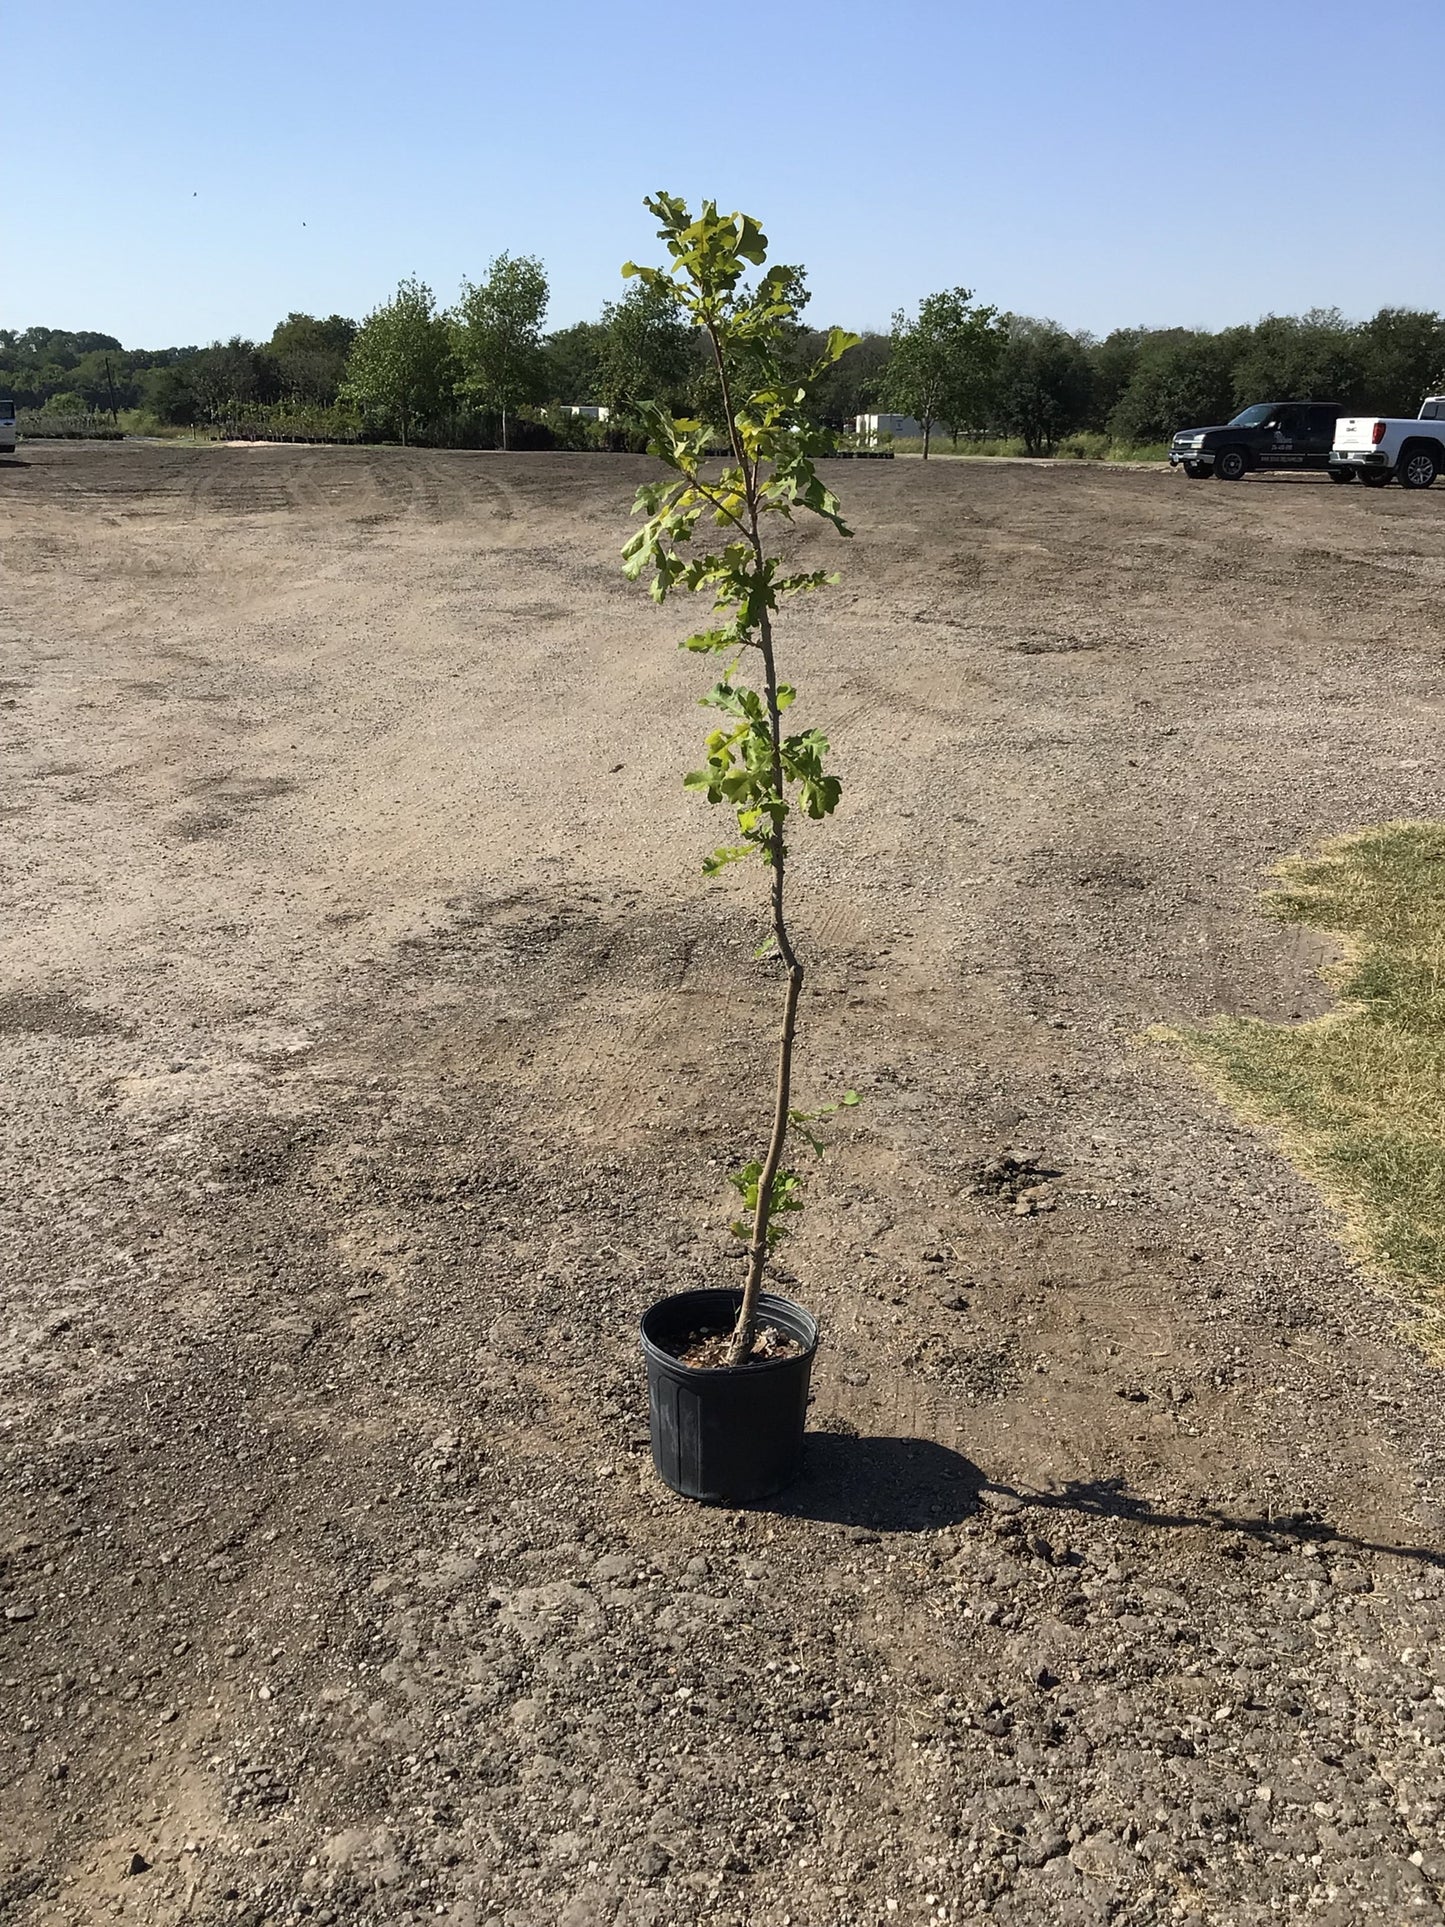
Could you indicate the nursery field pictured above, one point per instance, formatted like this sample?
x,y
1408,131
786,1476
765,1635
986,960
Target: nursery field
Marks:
x,y
372,1052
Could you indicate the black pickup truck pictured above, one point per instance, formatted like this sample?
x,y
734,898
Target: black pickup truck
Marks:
x,y
1271,434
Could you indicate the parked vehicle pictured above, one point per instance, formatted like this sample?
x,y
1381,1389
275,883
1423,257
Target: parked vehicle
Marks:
x,y
1380,450
7,426
1269,434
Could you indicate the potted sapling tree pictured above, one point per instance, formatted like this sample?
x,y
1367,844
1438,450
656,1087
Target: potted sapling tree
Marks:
x,y
728,1369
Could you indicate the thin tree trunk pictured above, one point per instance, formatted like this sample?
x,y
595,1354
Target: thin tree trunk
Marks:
x,y
504,428
927,434
742,1342
743,1331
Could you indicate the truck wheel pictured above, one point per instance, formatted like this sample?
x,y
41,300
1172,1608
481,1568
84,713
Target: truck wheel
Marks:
x,y
1342,475
1376,478
1231,464
1194,470
1418,467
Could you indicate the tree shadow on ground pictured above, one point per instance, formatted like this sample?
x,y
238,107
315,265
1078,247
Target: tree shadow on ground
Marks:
x,y
1113,1499
916,1485
884,1484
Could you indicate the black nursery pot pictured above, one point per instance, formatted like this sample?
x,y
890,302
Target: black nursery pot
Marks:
x,y
736,1434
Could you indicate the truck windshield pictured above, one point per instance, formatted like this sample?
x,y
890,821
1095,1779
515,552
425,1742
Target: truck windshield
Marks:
x,y
1255,417
7,410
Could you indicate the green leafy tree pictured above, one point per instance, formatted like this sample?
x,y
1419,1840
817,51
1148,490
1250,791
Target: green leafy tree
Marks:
x,y
58,348
785,354
212,384
1112,362
1403,356
231,377
400,372
310,356
169,394
1315,356
572,360
1181,380
851,385
943,362
646,350
498,328
106,380
754,766
1044,384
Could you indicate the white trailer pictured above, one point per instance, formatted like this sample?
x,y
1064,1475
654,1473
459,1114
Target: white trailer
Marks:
x,y
871,429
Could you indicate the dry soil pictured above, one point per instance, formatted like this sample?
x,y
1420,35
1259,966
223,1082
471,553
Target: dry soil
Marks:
x,y
373,1053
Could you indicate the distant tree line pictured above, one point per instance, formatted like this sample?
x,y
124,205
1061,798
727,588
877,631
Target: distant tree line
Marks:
x,y
53,368
1034,380
487,371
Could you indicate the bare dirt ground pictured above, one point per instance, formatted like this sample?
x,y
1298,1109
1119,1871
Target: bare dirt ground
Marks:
x,y
373,1053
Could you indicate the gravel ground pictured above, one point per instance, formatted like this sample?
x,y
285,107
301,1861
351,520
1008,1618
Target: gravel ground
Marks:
x,y
373,1054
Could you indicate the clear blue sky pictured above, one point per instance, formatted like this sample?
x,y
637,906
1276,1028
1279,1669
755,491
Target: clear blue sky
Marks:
x,y
1099,161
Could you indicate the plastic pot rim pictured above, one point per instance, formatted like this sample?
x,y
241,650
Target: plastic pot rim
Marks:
x,y
768,1299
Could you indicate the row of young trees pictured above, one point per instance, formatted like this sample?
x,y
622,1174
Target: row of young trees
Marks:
x,y
488,370
421,371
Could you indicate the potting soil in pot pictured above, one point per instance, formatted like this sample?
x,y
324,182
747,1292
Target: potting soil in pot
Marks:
x,y
707,1351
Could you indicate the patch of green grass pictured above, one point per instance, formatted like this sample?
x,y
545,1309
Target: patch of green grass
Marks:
x,y
1138,452
1088,447
1358,1096
1083,447
140,421
942,445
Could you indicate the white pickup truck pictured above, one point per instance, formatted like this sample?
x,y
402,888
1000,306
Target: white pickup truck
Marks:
x,y
1379,450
